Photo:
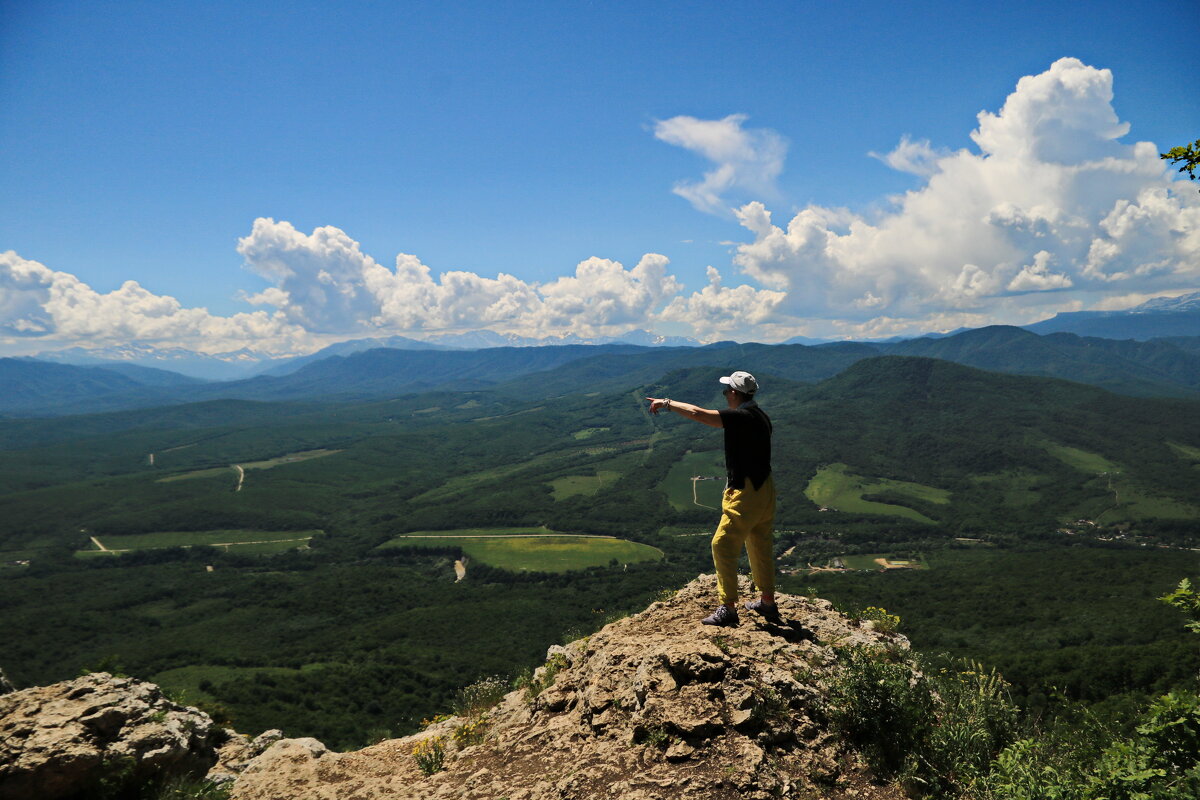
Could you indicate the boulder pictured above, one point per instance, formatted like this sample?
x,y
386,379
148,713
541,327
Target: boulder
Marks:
x,y
63,739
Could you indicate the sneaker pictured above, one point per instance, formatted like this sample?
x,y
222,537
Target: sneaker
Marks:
x,y
724,617
769,611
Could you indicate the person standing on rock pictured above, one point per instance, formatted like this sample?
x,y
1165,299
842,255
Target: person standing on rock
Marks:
x,y
748,506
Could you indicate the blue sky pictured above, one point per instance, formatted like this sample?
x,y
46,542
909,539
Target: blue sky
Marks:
x,y
141,141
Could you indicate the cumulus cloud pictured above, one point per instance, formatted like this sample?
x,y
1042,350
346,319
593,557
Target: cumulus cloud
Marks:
x,y
324,282
717,309
744,160
1052,201
37,302
325,288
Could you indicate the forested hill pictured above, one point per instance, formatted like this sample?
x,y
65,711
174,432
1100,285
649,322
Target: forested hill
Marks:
x,y
1167,368
1155,368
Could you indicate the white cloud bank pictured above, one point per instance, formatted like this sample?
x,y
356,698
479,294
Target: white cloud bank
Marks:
x,y
325,283
1051,202
56,308
1052,213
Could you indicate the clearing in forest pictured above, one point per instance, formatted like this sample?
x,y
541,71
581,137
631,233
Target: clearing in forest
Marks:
x,y
696,479
587,485
882,561
290,458
1186,452
1081,460
543,551
836,487
246,542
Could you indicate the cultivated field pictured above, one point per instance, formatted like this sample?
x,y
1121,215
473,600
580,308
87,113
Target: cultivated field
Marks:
x,y
542,552
678,483
835,486
587,485
879,561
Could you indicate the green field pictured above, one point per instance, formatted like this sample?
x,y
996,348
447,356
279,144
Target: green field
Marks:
x,y
588,433
678,483
245,541
1080,459
460,484
867,561
1132,504
199,473
540,553
476,533
290,458
587,485
835,486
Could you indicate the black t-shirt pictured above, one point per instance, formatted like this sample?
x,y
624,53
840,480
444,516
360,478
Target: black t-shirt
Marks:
x,y
747,444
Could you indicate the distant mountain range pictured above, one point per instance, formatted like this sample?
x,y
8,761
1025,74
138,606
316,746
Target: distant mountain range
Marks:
x,y
1161,367
1157,318
222,367
245,363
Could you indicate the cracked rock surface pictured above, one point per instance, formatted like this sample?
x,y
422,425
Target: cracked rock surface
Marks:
x,y
655,706
58,740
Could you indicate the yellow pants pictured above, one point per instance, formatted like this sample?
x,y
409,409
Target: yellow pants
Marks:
x,y
746,517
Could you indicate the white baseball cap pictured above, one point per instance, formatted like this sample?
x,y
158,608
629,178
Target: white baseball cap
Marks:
x,y
742,381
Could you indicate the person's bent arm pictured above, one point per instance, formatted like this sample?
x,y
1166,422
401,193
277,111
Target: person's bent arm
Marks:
x,y
708,416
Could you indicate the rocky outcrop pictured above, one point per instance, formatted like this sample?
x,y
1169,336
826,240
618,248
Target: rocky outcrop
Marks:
x,y
653,706
237,752
59,740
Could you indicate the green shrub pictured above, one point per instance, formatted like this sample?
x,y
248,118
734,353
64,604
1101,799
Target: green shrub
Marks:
x,y
974,721
192,789
472,701
430,754
882,707
554,665
883,621
1032,769
472,732
1161,762
770,705
937,731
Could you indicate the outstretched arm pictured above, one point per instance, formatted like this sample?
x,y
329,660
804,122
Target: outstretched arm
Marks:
x,y
708,416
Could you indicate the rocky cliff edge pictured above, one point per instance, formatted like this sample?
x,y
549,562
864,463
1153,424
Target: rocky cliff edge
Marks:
x,y
655,706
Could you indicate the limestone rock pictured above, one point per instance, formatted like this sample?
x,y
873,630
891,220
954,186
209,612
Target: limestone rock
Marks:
x,y
61,739
652,706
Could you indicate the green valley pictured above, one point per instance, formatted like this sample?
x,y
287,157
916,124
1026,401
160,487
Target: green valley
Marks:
x,y
1018,516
